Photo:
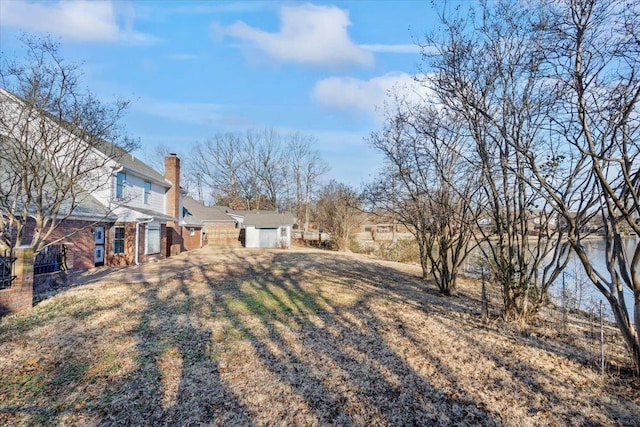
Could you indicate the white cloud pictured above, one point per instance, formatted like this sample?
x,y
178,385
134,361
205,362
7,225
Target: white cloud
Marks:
x,y
76,20
392,48
187,112
355,97
308,34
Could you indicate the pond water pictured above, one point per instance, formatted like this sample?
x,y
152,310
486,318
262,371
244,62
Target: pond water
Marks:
x,y
579,287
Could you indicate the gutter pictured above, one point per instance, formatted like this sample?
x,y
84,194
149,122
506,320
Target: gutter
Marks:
x,y
146,221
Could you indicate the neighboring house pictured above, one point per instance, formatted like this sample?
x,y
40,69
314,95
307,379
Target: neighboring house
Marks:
x,y
266,229
134,217
539,220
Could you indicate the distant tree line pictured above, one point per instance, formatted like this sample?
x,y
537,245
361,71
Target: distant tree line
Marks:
x,y
255,170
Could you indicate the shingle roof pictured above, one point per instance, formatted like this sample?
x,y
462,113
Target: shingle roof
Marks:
x,y
89,206
132,163
189,219
128,160
205,213
267,219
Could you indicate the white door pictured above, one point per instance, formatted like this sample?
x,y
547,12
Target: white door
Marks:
x,y
98,254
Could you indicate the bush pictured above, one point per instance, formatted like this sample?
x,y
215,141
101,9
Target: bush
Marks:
x,y
405,250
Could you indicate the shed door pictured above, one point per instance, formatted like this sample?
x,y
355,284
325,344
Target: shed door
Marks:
x,y
268,237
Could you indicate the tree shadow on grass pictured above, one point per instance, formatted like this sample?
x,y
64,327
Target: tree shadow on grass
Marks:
x,y
176,380
265,338
333,357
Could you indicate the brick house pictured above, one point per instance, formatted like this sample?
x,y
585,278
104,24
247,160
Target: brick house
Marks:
x,y
146,216
127,213
138,220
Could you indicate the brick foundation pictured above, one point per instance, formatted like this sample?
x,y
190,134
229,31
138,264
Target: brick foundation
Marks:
x,y
20,295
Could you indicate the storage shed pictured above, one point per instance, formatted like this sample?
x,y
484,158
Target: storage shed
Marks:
x,y
267,229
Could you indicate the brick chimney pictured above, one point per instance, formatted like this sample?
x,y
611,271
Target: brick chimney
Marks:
x,y
174,231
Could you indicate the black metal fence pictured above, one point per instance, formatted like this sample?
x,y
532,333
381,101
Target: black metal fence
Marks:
x,y
6,269
50,259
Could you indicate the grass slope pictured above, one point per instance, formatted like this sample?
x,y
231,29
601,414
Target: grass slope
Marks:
x,y
297,338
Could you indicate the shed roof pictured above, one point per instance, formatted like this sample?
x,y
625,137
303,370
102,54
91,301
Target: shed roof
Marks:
x,y
267,219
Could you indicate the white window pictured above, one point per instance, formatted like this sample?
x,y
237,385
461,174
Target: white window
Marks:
x,y
118,240
153,239
121,180
147,192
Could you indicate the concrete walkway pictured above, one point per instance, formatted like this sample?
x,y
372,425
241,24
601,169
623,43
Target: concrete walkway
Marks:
x,y
155,271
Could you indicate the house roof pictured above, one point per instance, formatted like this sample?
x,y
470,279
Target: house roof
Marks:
x,y
151,213
268,219
90,207
118,154
189,219
132,163
205,213
87,206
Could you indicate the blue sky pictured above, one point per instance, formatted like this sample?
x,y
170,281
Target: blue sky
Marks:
x,y
196,68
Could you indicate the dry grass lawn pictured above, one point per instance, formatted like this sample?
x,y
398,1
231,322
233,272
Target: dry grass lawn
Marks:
x,y
297,338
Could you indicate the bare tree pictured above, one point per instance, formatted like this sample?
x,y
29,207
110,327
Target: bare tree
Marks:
x,y
155,157
272,168
594,144
306,167
338,211
54,151
218,161
258,167
489,71
190,178
427,186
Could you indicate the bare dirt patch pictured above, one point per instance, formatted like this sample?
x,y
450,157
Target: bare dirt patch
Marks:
x,y
299,337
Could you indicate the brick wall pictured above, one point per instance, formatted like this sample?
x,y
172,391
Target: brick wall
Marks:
x,y
80,234
191,241
77,232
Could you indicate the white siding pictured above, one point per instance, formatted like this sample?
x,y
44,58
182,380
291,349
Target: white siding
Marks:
x,y
267,237
134,193
251,237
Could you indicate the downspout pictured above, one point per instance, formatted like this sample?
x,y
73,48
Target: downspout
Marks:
x,y
138,238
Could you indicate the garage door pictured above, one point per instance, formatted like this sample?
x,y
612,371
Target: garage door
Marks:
x,y
268,237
